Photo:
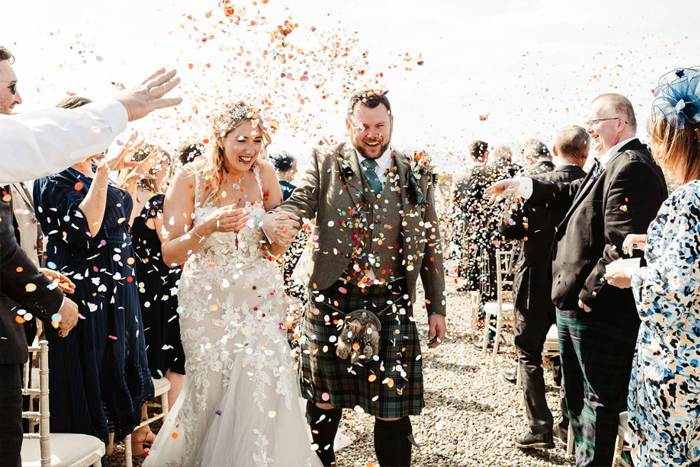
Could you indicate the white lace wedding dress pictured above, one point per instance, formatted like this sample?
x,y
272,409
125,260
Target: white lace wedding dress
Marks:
x,y
240,405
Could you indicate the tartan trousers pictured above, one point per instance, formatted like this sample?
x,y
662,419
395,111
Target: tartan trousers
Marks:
x,y
596,358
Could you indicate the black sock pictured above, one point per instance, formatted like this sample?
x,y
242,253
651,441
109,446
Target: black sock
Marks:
x,y
324,426
391,442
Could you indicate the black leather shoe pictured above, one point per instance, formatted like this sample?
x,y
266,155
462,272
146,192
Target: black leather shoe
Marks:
x,y
532,440
510,376
560,435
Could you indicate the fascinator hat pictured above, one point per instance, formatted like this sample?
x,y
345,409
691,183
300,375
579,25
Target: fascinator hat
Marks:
x,y
677,97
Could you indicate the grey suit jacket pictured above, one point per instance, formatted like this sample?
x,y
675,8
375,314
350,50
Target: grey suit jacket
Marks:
x,y
331,191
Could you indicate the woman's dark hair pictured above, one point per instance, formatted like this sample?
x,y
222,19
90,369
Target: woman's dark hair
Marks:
x,y
283,162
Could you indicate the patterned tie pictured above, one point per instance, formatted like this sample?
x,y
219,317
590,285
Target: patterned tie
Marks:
x,y
368,167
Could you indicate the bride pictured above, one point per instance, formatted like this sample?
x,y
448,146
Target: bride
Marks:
x,y
240,404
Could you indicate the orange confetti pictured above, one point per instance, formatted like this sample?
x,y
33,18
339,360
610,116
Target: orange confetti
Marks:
x,y
390,383
372,378
175,435
78,186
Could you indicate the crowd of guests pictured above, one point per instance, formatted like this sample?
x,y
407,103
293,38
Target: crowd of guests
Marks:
x,y
149,266
627,330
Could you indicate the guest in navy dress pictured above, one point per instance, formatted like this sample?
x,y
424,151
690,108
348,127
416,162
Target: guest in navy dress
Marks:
x,y
157,282
99,371
286,167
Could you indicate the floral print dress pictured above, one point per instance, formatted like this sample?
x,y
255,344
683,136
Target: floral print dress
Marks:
x,y
664,393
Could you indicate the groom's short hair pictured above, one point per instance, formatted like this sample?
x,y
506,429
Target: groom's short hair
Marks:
x,y
369,97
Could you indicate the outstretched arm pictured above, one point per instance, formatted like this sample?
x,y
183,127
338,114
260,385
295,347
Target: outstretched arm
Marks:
x,y
45,142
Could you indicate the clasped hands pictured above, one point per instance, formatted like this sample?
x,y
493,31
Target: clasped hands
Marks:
x,y
280,227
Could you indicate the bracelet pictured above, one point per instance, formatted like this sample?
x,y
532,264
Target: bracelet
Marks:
x,y
195,232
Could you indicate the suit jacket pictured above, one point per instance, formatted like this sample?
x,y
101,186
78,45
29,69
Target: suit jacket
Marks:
x,y
536,226
331,191
622,199
27,229
17,272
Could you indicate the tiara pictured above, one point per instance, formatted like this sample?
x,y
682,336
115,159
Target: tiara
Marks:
x,y
232,115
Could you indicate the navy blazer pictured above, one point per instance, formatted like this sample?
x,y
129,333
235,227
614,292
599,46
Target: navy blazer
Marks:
x,y
536,227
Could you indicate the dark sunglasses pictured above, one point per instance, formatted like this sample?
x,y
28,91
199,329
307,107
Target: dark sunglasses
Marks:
x,y
12,87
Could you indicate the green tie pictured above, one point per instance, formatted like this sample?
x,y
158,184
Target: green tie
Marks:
x,y
368,166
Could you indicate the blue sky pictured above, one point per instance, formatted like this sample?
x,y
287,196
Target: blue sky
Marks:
x,y
532,66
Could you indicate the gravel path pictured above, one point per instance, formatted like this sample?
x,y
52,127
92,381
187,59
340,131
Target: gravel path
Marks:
x,y
472,414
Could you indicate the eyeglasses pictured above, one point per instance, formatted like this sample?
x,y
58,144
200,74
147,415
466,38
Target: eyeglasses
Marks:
x,y
12,87
590,123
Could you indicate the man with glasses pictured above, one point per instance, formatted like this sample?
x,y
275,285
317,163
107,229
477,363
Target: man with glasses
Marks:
x,y
597,323
9,95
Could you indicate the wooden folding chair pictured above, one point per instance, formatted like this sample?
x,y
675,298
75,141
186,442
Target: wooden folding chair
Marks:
x,y
502,308
161,387
48,449
622,441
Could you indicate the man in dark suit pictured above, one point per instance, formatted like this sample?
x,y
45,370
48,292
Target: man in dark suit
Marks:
x,y
25,293
463,198
534,310
483,239
597,323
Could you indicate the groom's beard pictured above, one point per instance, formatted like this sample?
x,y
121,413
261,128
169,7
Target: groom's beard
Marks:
x,y
382,149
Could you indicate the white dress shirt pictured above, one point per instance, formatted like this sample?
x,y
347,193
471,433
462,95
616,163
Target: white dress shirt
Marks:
x,y
45,142
525,188
383,163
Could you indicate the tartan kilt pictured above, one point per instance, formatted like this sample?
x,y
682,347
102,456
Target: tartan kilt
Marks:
x,y
388,386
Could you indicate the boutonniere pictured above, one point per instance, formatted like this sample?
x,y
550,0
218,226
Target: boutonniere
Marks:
x,y
346,169
418,167
420,164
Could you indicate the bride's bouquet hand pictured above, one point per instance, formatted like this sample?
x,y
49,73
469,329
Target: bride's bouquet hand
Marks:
x,y
226,219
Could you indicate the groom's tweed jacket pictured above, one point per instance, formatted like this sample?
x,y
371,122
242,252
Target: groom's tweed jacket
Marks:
x,y
332,191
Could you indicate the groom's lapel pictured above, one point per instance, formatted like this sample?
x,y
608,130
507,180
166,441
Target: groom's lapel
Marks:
x,y
350,172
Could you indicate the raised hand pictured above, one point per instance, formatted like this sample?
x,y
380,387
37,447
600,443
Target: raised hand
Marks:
x,y
501,189
120,161
147,97
225,219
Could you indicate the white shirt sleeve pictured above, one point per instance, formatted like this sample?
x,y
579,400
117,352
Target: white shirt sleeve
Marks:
x,y
525,189
48,141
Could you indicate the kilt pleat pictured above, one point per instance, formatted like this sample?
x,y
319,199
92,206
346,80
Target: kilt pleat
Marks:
x,y
388,386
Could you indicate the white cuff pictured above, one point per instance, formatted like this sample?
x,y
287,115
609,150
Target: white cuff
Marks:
x,y
113,111
525,187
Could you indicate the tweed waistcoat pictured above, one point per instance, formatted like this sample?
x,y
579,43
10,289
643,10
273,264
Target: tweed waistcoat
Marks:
x,y
379,248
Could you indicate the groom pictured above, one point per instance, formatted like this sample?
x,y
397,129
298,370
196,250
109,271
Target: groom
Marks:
x,y
376,232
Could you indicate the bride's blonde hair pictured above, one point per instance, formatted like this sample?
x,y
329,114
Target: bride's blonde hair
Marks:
x,y
213,171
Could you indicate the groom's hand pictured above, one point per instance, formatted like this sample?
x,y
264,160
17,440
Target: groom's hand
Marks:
x,y
436,330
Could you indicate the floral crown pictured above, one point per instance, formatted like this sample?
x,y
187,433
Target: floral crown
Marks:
x,y
677,97
232,115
